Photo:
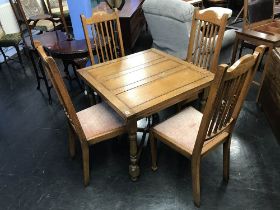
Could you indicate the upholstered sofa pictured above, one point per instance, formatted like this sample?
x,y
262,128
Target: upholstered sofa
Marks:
x,y
169,22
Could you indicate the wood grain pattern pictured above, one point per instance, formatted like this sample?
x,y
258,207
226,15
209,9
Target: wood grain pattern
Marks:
x,y
263,32
106,33
92,125
270,94
214,127
143,80
206,39
132,20
144,83
247,24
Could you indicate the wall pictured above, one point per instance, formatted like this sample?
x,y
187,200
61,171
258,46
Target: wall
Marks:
x,y
7,18
4,1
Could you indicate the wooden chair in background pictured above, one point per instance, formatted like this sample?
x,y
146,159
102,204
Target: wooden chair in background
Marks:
x,y
59,9
205,43
107,36
194,134
27,37
92,125
37,15
10,40
206,39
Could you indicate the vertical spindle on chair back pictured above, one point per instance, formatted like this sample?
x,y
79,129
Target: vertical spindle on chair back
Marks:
x,y
107,36
54,75
227,95
206,39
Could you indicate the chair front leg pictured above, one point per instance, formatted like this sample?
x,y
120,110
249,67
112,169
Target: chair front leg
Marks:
x,y
226,159
85,153
153,143
19,55
196,180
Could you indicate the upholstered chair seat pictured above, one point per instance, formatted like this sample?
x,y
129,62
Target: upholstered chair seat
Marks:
x,y
182,130
45,25
98,120
9,39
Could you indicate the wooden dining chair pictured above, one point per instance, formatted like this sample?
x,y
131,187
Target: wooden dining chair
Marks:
x,y
195,134
92,125
37,15
206,39
59,9
107,36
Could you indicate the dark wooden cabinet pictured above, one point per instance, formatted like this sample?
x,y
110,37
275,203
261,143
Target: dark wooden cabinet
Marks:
x,y
270,93
132,22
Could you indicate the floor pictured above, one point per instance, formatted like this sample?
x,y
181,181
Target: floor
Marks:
x,y
36,171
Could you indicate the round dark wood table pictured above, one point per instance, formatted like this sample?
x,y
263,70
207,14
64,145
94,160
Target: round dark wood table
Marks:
x,y
58,45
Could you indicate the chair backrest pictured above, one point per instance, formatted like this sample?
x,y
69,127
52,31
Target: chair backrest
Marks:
x,y
22,20
54,75
257,12
32,7
206,39
227,94
58,4
107,36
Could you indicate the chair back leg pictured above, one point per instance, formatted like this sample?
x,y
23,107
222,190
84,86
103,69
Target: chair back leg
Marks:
x,y
19,56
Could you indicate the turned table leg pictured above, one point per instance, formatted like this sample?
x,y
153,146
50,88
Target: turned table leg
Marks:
x,y
134,170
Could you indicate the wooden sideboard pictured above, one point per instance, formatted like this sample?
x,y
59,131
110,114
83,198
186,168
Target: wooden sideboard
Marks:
x,y
132,22
270,93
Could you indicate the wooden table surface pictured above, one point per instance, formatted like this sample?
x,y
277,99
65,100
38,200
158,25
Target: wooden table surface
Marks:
x,y
257,38
144,83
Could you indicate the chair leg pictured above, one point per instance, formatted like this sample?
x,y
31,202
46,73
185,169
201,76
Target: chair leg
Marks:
x,y
240,50
72,149
226,159
85,151
34,67
196,181
76,76
153,143
19,55
44,77
4,56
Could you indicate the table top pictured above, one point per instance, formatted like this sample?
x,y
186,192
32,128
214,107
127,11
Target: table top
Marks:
x,y
260,35
57,44
146,82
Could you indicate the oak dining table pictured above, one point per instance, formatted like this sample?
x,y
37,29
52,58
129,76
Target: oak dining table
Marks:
x,y
141,84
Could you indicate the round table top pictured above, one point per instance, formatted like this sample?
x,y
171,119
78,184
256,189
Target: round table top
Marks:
x,y
58,45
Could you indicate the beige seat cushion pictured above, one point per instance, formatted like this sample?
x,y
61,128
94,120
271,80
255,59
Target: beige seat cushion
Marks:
x,y
99,120
220,11
45,25
181,129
